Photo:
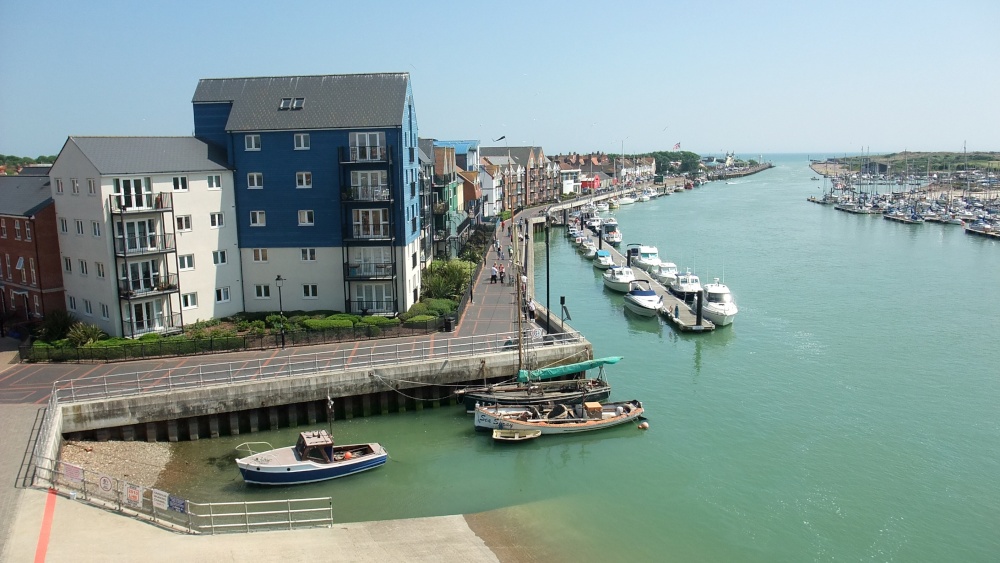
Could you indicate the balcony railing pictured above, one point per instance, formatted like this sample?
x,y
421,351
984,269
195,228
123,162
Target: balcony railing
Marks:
x,y
145,286
142,203
365,307
369,193
148,244
379,231
159,323
359,153
440,208
369,270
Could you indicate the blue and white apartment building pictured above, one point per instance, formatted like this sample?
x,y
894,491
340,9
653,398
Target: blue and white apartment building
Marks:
x,y
326,183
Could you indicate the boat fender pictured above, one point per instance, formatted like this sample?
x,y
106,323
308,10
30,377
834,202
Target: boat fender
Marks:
x,y
618,411
348,455
643,425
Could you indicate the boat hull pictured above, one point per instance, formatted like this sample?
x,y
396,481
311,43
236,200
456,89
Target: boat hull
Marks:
x,y
490,418
255,469
619,286
594,391
642,308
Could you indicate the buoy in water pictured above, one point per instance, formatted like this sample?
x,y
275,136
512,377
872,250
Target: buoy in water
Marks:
x,y
643,425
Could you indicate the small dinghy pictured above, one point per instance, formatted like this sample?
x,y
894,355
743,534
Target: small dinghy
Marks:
x,y
505,435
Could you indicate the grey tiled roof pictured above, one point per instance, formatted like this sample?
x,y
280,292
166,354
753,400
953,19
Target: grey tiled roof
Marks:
x,y
330,102
149,155
24,195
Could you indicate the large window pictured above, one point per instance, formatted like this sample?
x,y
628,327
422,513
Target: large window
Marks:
x,y
367,146
369,185
370,223
372,298
133,193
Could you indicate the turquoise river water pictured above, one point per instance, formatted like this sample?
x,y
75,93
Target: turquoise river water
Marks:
x,y
850,413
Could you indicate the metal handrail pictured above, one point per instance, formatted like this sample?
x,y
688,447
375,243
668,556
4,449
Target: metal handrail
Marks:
x,y
229,373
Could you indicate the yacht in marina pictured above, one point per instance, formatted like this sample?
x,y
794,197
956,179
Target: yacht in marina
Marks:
x,y
719,306
642,299
619,278
685,286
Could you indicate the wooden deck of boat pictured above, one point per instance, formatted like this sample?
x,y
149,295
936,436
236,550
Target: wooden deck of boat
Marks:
x,y
675,310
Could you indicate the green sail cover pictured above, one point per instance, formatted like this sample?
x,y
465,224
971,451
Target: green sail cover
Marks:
x,y
548,373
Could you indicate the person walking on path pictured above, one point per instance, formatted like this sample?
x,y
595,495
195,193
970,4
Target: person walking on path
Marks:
x,y
531,311
502,273
493,276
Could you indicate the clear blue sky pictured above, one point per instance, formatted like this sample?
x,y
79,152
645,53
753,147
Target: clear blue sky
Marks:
x,y
796,76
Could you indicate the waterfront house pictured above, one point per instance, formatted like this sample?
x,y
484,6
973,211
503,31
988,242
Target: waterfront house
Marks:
x,y
325,173
147,234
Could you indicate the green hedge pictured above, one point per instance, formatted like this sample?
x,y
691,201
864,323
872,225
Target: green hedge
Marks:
x,y
327,324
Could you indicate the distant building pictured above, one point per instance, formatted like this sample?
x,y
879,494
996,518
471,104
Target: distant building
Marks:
x,y
31,283
147,232
326,173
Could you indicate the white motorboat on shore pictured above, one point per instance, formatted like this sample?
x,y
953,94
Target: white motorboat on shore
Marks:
x,y
665,273
603,260
686,286
719,306
643,300
619,278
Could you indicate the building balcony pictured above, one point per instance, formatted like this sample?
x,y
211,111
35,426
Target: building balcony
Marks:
x,y
145,287
440,208
371,232
160,323
378,307
368,193
360,154
142,203
370,270
149,244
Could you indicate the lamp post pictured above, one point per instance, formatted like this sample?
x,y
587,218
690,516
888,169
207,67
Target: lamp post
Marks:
x,y
280,281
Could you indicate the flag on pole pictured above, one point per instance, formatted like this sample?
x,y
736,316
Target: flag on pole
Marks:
x,y
677,146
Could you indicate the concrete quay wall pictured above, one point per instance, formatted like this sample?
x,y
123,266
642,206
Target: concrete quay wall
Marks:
x,y
215,410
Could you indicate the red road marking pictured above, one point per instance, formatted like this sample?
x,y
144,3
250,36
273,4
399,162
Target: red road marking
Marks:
x,y
43,534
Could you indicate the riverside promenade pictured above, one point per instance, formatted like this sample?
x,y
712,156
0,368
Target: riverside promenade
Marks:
x,y
38,526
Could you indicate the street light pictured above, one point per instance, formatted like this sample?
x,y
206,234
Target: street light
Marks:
x,y
280,281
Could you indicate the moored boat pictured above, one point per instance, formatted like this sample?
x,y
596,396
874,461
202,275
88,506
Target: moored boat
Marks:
x,y
619,278
665,273
685,286
603,260
314,457
558,418
648,257
515,435
719,306
643,300
534,388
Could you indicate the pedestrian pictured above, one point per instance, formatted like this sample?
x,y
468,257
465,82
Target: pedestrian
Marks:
x,y
510,250
502,274
531,311
493,276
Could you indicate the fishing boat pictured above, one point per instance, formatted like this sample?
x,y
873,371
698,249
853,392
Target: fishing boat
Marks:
x,y
558,418
619,278
538,386
719,306
643,300
603,260
314,457
686,286
500,435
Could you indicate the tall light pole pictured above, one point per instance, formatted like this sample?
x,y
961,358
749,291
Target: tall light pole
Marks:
x,y
280,281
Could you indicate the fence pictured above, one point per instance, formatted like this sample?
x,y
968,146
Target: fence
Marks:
x,y
165,509
143,349
188,377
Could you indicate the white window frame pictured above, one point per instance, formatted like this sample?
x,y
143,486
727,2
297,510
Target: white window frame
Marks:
x,y
255,180
220,257
303,180
307,217
308,254
83,267
183,223
258,218
301,142
27,230
222,294
88,308
215,181
251,142
79,227
310,291
260,255
180,183
64,225
217,220
262,291
71,302
100,269
95,228
75,186
67,265
105,311
189,300
31,265
3,228
91,186
185,262
59,185
17,230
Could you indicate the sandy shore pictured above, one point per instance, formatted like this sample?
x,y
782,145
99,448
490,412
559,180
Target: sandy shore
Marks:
x,y
141,463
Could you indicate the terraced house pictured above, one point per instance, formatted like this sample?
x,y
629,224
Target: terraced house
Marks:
x,y
326,174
